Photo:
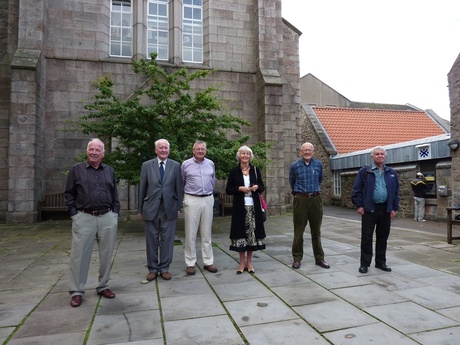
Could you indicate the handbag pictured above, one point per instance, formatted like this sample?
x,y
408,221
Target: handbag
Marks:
x,y
264,208
263,203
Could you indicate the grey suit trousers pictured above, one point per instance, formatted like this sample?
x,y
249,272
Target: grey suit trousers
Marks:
x,y
159,235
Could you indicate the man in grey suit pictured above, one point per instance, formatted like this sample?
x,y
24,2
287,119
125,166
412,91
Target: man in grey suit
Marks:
x,y
160,200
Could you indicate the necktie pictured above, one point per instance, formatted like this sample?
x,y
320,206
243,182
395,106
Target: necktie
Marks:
x,y
162,172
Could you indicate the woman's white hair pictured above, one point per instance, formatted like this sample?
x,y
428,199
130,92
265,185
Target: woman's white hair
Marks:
x,y
244,148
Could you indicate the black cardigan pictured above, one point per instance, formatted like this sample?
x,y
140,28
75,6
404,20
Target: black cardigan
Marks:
x,y
234,181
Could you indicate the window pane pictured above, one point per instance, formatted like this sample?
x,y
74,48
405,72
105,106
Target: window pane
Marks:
x,y
126,50
163,53
114,48
187,55
153,9
126,34
197,13
116,6
163,10
163,38
116,19
197,56
188,12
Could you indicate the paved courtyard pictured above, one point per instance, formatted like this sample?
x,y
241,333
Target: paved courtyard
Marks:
x,y
417,303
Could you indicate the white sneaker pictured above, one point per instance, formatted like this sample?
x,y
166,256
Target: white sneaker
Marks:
x,y
423,220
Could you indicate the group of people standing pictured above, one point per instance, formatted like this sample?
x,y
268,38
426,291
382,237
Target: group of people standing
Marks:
x,y
166,187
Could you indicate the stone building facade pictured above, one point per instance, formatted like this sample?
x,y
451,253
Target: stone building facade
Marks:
x,y
53,51
454,95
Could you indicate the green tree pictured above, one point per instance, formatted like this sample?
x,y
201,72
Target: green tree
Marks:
x,y
165,106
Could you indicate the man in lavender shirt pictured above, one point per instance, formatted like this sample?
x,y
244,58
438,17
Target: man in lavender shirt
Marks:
x,y
198,174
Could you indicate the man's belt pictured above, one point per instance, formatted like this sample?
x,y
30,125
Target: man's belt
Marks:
x,y
307,195
199,195
96,212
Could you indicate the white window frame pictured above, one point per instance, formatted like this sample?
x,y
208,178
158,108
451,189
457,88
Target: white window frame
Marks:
x,y
158,29
121,28
337,183
192,31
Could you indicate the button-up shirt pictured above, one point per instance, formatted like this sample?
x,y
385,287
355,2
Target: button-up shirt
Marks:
x,y
199,177
90,188
306,178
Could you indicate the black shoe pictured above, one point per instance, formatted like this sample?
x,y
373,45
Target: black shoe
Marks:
x,y
383,267
323,264
296,265
363,269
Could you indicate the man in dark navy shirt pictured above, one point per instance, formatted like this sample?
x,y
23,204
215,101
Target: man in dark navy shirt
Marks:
x,y
92,202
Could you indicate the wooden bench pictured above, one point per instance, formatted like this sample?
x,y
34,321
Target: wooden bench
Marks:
x,y
450,222
51,203
226,201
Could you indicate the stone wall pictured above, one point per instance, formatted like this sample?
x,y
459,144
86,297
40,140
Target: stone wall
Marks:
x,y
454,94
8,44
26,113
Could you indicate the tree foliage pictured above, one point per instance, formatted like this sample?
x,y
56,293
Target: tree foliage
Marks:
x,y
165,106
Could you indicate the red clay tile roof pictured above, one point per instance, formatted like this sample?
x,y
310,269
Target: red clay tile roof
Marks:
x,y
353,129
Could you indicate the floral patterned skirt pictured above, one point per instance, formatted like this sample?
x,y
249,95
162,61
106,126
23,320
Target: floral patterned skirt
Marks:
x,y
249,242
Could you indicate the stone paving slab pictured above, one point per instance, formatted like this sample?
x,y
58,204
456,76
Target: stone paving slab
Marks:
x,y
241,290
448,336
126,327
333,315
409,317
219,329
375,334
74,338
368,296
283,332
302,294
190,307
431,297
260,310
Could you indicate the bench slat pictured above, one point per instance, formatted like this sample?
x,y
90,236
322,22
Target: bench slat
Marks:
x,y
450,223
226,201
52,202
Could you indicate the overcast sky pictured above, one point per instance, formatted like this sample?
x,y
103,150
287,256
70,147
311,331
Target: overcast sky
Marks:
x,y
392,51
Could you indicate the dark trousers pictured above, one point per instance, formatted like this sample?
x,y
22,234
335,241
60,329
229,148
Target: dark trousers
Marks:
x,y
307,210
380,220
